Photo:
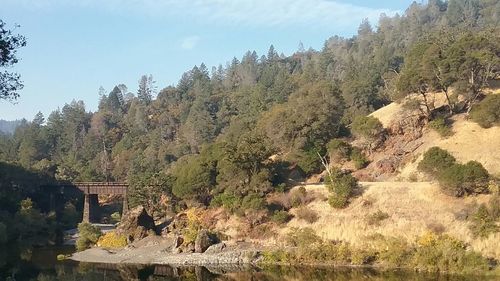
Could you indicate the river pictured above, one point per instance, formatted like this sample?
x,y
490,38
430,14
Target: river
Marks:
x,y
42,265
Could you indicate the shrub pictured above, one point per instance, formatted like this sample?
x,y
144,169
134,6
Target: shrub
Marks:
x,y
442,253
435,161
227,200
116,217
307,159
459,180
359,158
441,126
281,217
377,217
394,252
339,150
484,221
367,127
194,225
342,187
253,202
298,237
112,240
88,236
281,188
306,214
487,112
70,215
298,197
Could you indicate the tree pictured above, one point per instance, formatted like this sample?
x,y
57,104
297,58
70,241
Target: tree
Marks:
x,y
475,59
146,89
9,43
412,80
369,129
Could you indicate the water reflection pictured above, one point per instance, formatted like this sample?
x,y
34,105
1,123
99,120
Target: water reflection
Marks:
x,y
41,265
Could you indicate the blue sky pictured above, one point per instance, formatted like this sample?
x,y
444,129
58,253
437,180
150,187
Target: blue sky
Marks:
x,y
76,46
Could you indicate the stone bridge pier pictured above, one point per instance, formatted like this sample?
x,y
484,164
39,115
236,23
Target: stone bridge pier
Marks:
x,y
91,190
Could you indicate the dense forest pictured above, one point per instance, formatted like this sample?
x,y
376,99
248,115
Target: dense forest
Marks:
x,y
209,139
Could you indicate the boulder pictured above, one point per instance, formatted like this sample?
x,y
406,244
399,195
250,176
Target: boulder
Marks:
x,y
136,224
217,248
203,241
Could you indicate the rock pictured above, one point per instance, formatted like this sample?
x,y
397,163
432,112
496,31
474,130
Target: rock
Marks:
x,y
203,241
136,225
177,225
388,165
189,248
217,248
178,240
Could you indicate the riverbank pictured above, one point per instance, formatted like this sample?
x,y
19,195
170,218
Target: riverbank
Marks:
x,y
160,251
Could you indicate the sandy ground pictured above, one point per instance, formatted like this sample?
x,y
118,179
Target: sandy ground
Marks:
x,y
158,250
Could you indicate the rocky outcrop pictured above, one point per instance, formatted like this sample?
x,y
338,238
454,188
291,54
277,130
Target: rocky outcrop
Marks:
x,y
203,241
136,225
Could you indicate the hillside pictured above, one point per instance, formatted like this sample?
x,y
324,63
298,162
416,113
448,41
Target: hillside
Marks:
x,y
9,127
413,204
468,142
414,208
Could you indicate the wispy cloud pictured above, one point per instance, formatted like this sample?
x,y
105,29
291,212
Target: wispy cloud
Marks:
x,y
241,12
189,43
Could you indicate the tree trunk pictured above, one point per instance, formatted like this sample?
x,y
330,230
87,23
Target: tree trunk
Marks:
x,y
449,101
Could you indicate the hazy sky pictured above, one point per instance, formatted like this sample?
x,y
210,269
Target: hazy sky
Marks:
x,y
76,46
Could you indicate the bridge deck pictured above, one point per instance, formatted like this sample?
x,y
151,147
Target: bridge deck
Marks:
x,y
102,187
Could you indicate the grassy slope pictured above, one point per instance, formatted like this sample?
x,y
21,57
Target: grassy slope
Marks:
x,y
412,209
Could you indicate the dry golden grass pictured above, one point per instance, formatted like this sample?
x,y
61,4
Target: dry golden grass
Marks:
x,y
469,142
411,207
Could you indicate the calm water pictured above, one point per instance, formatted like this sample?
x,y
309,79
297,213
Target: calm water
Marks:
x,y
41,265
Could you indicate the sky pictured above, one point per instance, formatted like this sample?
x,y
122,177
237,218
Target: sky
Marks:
x,y
76,46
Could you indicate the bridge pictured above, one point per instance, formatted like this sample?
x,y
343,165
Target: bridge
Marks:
x,y
92,189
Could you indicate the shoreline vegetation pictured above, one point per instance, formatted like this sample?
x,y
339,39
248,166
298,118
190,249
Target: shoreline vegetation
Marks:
x,y
432,253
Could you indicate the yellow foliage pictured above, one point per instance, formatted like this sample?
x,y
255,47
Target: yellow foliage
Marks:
x,y
427,239
112,240
194,225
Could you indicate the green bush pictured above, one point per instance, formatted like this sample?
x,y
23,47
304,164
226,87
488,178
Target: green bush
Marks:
x,y
116,217
281,188
377,217
359,158
435,161
307,159
339,150
88,236
306,214
487,112
227,200
367,127
281,217
460,180
253,202
441,126
341,187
